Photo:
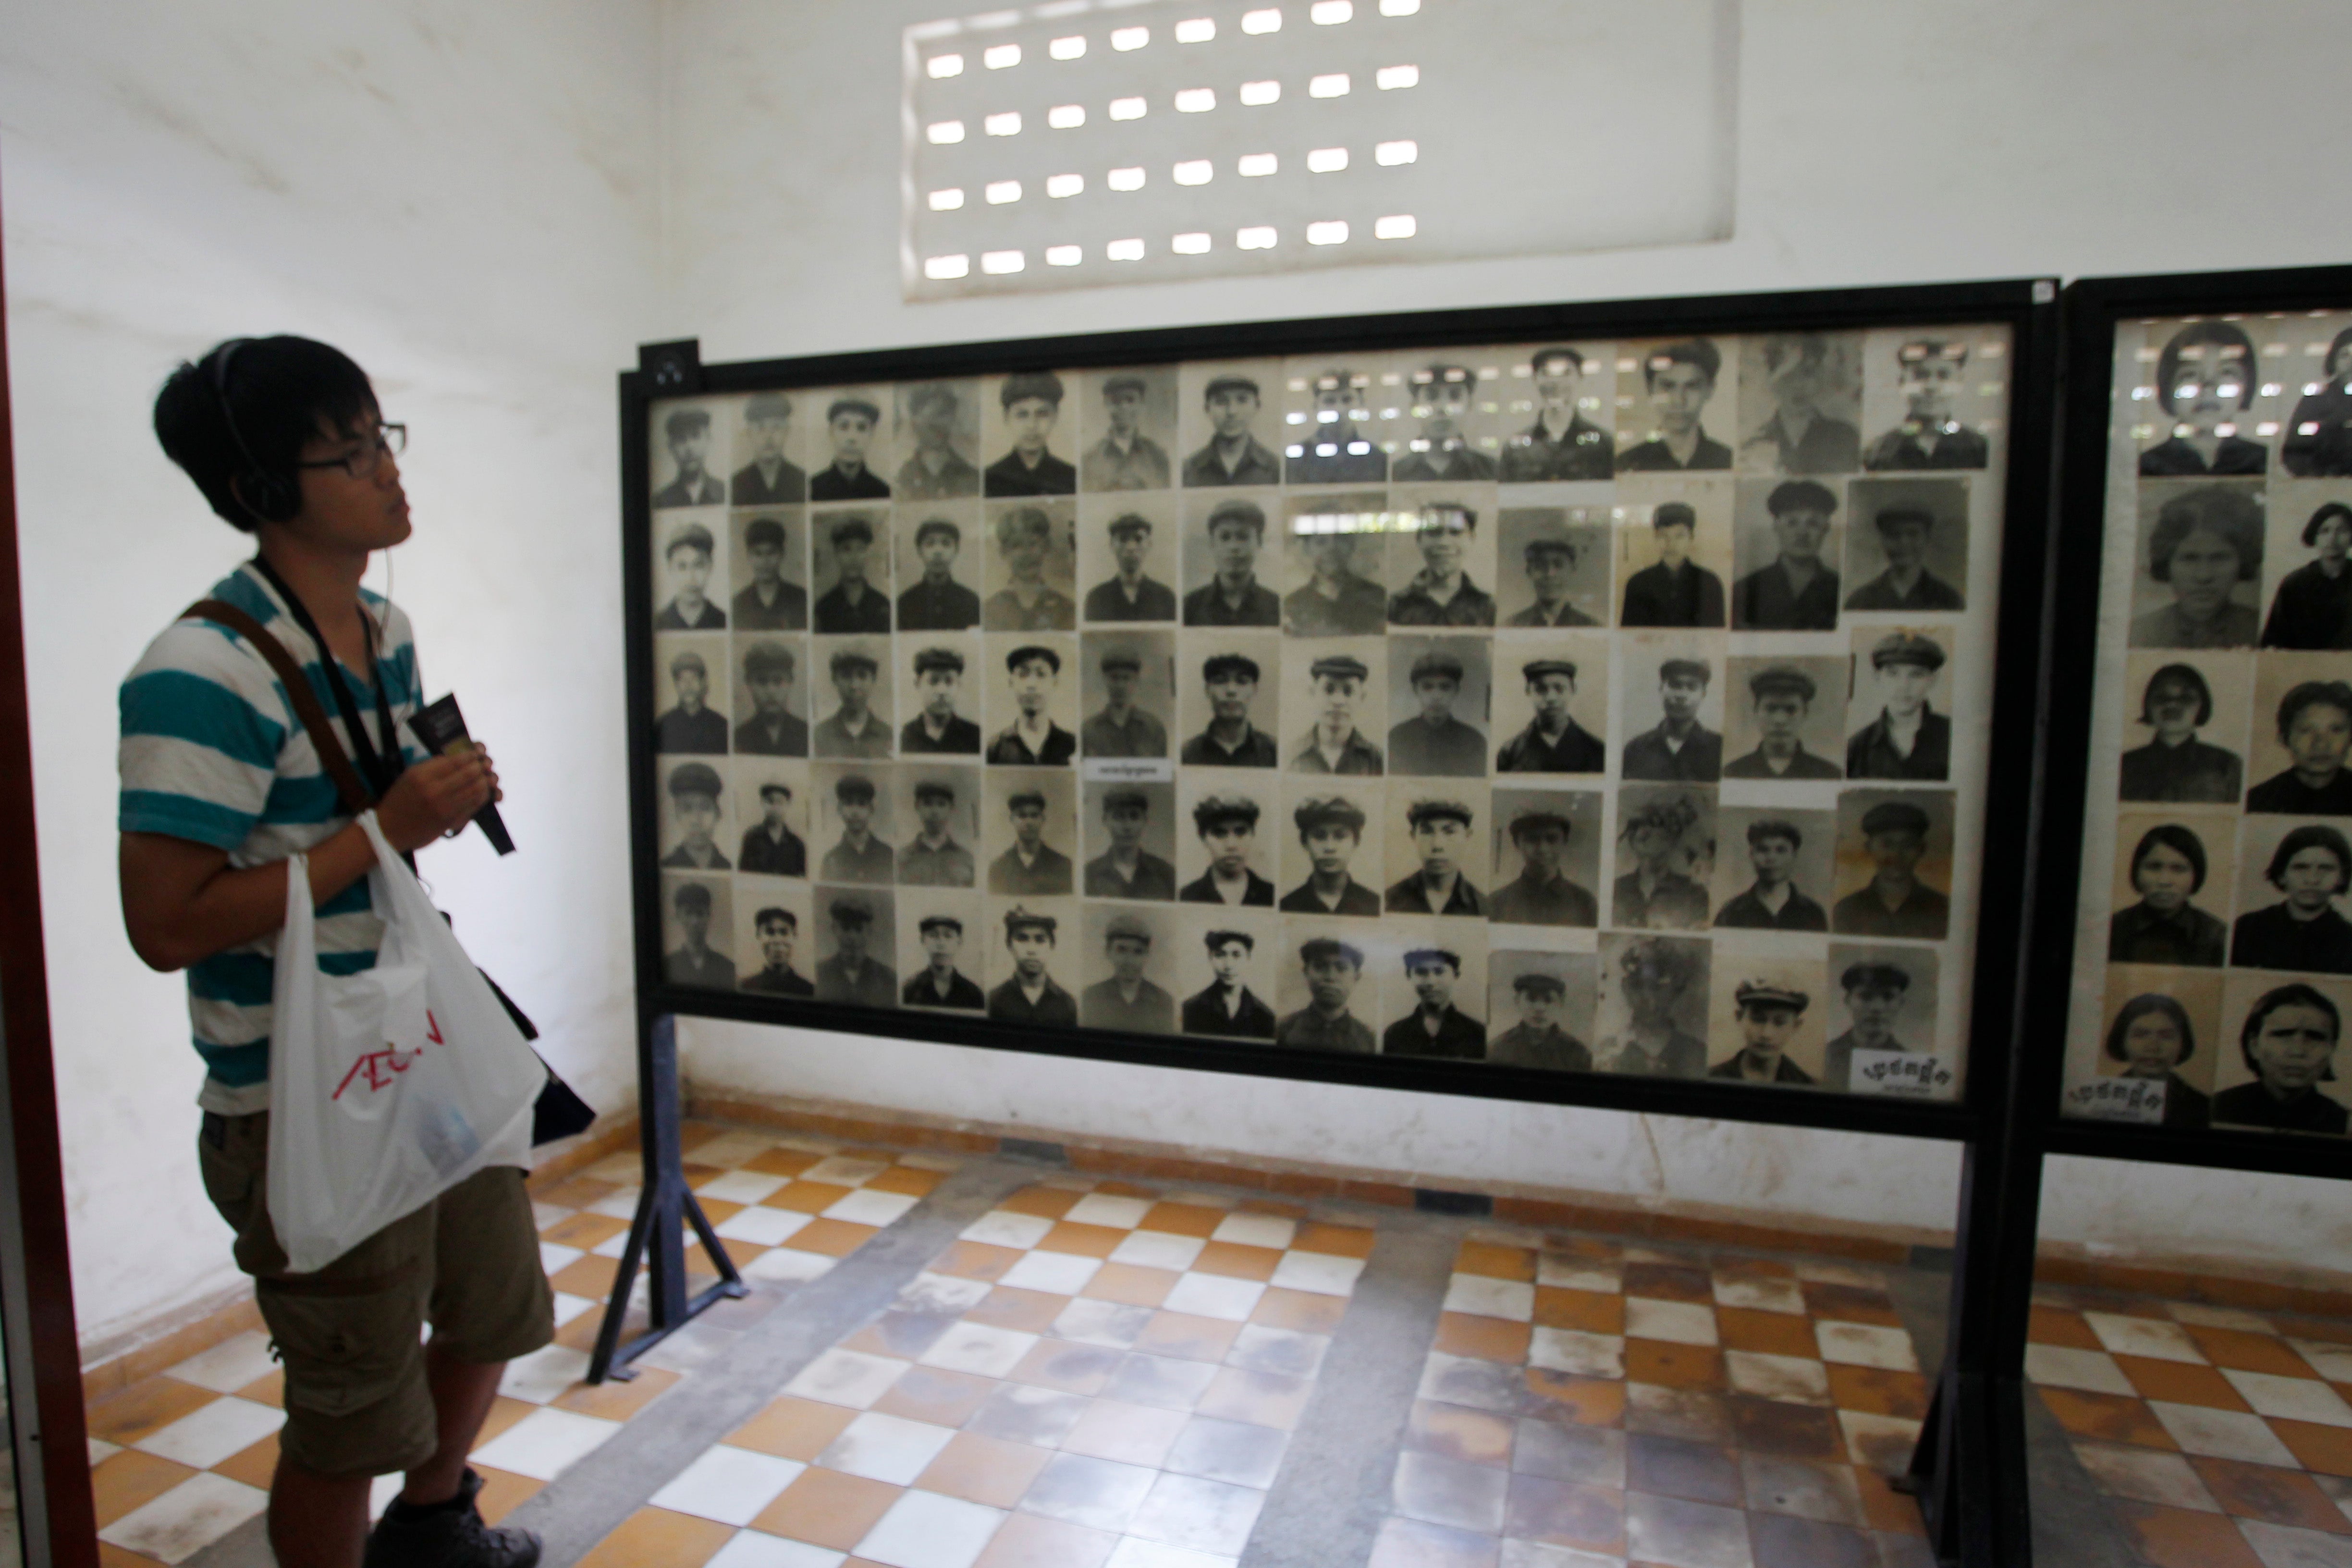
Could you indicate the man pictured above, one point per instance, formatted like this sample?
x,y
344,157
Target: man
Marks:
x,y
1550,560
1031,997
691,609
1907,584
1676,590
858,856
1234,596
1541,894
936,472
1334,744
1908,739
778,929
1781,695
694,806
1228,828
937,602
1121,728
687,433
849,426
1767,1018
1230,740
1553,741
1679,378
284,438
1335,602
1027,603
1798,437
933,858
1654,974
855,729
1336,450
1441,397
1440,593
688,726
853,974
771,849
1325,1024
1127,1001
1233,456
1894,903
1331,830
1033,402
1875,997
1657,892
1441,838
1126,458
772,730
1794,591
1436,1027
1929,437
1681,750
1434,742
770,478
696,962
852,604
938,730
770,603
1033,739
940,983
1030,868
1562,446
1128,595
1225,1005
1127,870
1772,901
1537,1040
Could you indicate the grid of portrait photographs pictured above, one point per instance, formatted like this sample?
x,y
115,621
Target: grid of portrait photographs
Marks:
x,y
1582,707
2213,961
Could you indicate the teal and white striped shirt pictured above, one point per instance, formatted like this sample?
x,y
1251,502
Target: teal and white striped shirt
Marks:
x,y
212,752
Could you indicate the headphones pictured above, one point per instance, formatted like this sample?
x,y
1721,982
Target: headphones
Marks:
x,y
269,496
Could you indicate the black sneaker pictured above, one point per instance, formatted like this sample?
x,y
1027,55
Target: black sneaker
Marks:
x,y
449,1535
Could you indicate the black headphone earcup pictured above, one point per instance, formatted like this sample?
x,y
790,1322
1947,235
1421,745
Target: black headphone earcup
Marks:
x,y
267,496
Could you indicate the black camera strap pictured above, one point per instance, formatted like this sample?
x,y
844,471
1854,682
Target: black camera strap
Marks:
x,y
380,758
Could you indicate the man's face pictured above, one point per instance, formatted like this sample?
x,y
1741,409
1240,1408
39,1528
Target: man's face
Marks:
x,y
2204,570
934,423
1444,540
2318,738
1549,571
1432,982
851,433
694,919
1558,384
690,450
1680,696
1129,546
939,550
1329,554
849,939
1929,384
856,816
1336,408
1331,981
1118,686
2292,1047
849,554
1032,683
1800,530
1538,1009
1435,693
767,563
768,689
1024,552
854,684
1550,694
1778,715
692,686
1228,958
1234,547
691,569
1542,846
942,946
1774,858
1440,841
776,943
1125,407
939,691
1675,544
1126,957
1334,700
1905,687
1125,824
1028,825
1447,402
768,438
772,809
1896,852
1031,420
697,817
934,810
1767,1028
1797,381
1231,412
1905,542
1229,847
1678,391
1330,846
1029,946
1874,1009
1229,696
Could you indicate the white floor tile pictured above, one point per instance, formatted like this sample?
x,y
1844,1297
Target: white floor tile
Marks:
x,y
1136,1553
187,1518
1679,1323
2206,1317
544,1214
868,1207
980,1348
1214,1296
620,1204
102,1450
2332,1361
762,1226
729,1485
925,1529
1158,1249
1198,1514
741,1186
1819,1271
1579,1274
1256,1230
1232,1451
1518,1553
554,1256
1096,1322
211,1433
543,1374
1128,1434
568,1307
2066,1366
2288,1546
851,1378
1866,1344
1110,1209
1100,1494
1319,1273
845,1170
1578,1351
611,1246
546,1443
1760,1295
1489,1298
228,1365
1790,1380
781,1265
885,1448
2290,1398
1059,1273
623,1167
1291,1352
2151,1337
2146,1475
999,1227
751,1549
2223,1434
941,1293
731,1149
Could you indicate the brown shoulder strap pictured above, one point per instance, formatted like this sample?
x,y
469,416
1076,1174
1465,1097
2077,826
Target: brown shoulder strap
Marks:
x,y
306,708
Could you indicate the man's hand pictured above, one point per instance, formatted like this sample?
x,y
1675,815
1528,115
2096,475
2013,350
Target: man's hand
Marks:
x,y
438,795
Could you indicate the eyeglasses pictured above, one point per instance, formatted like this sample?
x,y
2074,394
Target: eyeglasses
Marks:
x,y
384,441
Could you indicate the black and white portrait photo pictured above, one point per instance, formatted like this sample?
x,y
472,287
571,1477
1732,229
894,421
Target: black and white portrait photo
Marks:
x,y
1434,996
1786,553
2311,607
1126,951
1546,857
1439,843
1225,545
689,556
771,668
2205,378
1773,869
1331,543
1562,443
2299,759
2292,880
770,571
767,475
940,698
1032,708
1897,676
938,426
1225,708
856,824
935,551
1031,575
1343,699
1225,973
2200,566
1802,395
1324,997
1226,425
1129,840
1672,711
775,801
1438,556
1453,437
2319,431
1764,1019
1665,858
1930,375
1561,556
1026,834
1784,719
856,947
1672,569
1894,864
685,440
2281,1078
1222,859
1327,865
1562,708
856,722
1663,391
1652,1014
1340,441
1881,997
1907,545
698,819
852,573
939,810
851,441
1438,698
2168,881
1030,971
943,950
1126,551
1539,1009
1126,692
1135,411
698,913
689,722
1028,408
773,928
2183,703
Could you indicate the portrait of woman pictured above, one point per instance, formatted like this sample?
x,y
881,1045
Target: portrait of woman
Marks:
x,y
2313,607
2319,437
2152,1036
2205,543
2289,1043
2302,930
2167,869
2205,379
2175,766
2315,725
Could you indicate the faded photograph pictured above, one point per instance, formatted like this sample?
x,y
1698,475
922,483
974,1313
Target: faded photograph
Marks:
x,y
1787,549
1028,408
1561,556
1802,390
764,449
1127,691
939,428
1540,1009
1030,577
1438,557
1562,708
1126,966
1766,1019
2205,378
685,719
1882,999
1343,699
774,812
771,697
849,447
1222,857
1920,390
1127,552
686,443
936,562
2173,871
1438,840
1332,432
1567,440
1029,831
698,916
1774,868
856,708
1328,868
2303,728
1665,858
1897,676
1907,545
2310,555
770,562
1653,1013
1224,424
1784,717
851,573
1226,706
856,947
1673,710
2282,1076
942,935
1224,556
941,808
1224,973
1439,697
1331,553
1546,857
1453,439
1665,394
699,819
939,697
773,923
2187,702
1434,996
856,824
1134,410
1671,556
2200,566
1894,863
1032,707
1031,970
1129,840
689,555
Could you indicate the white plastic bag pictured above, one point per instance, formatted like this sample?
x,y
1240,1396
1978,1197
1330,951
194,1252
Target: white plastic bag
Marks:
x,y
388,1087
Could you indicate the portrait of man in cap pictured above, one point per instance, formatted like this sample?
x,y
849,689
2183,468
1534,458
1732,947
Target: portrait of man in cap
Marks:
x,y
1440,885
1908,739
1338,447
1331,829
1226,1006
1562,446
1442,399
695,962
932,858
850,424
1904,530
1442,594
1767,1014
1435,1027
770,478
687,433
853,604
936,601
1774,902
688,724
1128,595
689,557
1663,835
1538,1040
1127,1001
1657,975
857,856
1549,558
1127,870
1029,867
1334,744
1434,742
1032,400
1895,901
1796,591
1680,750
694,807
1125,458
1332,968
771,728
1232,597
1679,379
1031,997
1929,436
1233,454
1033,739
854,730
1875,995
1122,729
1782,695
1542,893
770,847
937,730
939,984
1553,741
1335,600
1027,603
1799,435
935,470
1228,828
1674,590
778,930
1231,740
768,603
853,974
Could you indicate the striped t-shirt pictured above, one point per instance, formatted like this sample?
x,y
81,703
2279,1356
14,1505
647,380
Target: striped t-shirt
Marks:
x,y
213,752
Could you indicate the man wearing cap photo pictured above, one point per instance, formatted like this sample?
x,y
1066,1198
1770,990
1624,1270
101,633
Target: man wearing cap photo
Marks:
x,y
1030,868
1331,829
1033,739
1127,1001
1338,447
1553,741
1769,1013
1895,901
1782,695
1441,594
1228,828
1121,728
1032,998
1542,894
1656,973
1658,892
937,730
1675,591
1679,379
778,930
1325,1024
696,962
1226,1006
1562,447
1026,603
1127,870
852,604
1033,402
687,433
1798,437
1441,838
1234,596
1772,901
1928,436
773,728
1906,585
689,609
935,470
853,974
1436,1027
855,729
770,478
1334,744
688,726
1234,456
1125,458
1908,739
694,806
857,856
1874,998
1537,1040
849,426
1441,396
1796,591
1334,600
768,603
770,847
1549,557
1128,595
932,858
1680,750
1434,742
937,602
1230,740
938,984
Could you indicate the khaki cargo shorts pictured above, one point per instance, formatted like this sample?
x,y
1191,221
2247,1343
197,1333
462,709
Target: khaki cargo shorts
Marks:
x,y
467,1263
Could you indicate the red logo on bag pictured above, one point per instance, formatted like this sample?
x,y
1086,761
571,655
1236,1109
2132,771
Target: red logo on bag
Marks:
x,y
380,1067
